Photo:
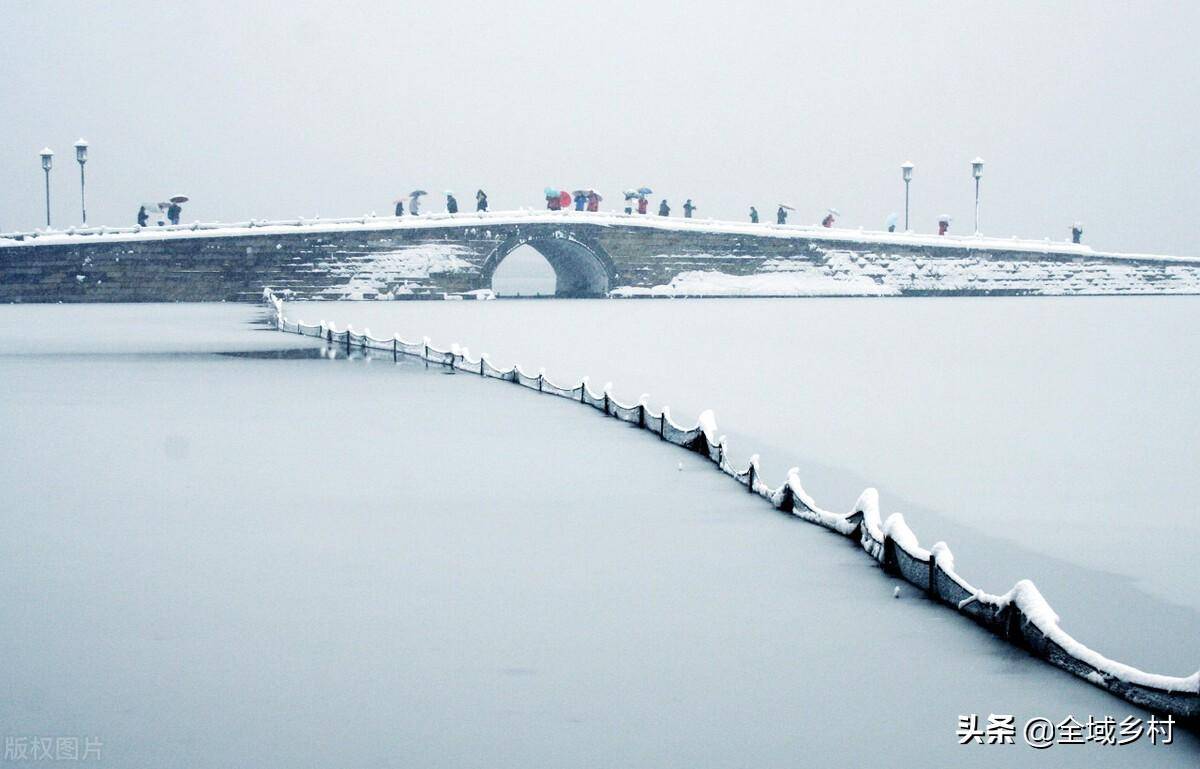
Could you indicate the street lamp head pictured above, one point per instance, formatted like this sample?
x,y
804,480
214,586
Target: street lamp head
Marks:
x,y
977,167
907,169
47,158
81,148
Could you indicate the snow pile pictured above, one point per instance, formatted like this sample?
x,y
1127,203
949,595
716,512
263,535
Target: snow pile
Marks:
x,y
805,280
1022,615
390,273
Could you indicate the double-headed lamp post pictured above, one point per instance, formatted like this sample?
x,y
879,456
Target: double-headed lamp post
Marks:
x,y
81,148
906,169
47,164
977,172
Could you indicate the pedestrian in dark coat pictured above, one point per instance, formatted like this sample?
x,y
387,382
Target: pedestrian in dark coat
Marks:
x,y
753,215
1077,233
173,213
399,208
143,217
781,215
664,209
688,208
480,201
451,204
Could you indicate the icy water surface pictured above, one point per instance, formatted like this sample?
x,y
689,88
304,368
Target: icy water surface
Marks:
x,y
223,548
1043,438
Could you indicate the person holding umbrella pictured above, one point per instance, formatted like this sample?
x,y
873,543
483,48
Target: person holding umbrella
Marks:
x,y
781,214
643,203
414,201
480,201
593,201
553,201
830,217
175,210
630,196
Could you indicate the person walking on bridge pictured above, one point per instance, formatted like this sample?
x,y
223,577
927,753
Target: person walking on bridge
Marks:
x,y
781,216
688,208
593,201
399,208
580,199
643,204
480,201
143,217
451,203
1077,232
663,208
943,224
173,213
753,215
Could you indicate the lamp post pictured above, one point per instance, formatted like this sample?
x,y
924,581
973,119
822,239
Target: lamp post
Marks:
x,y
47,163
977,172
906,169
81,148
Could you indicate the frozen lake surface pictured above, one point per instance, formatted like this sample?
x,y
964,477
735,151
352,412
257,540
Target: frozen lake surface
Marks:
x,y
224,548
1042,438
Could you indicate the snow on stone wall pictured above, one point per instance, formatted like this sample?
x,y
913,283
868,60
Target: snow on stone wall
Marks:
x,y
438,255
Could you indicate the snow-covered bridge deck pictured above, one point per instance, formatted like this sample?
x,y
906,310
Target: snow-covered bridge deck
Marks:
x,y
593,254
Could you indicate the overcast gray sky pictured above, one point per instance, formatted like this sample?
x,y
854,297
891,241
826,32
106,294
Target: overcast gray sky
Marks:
x,y
1084,110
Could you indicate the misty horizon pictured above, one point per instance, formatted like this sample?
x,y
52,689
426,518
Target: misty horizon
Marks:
x,y
305,109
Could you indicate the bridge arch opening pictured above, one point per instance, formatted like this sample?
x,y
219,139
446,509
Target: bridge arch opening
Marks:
x,y
578,269
524,272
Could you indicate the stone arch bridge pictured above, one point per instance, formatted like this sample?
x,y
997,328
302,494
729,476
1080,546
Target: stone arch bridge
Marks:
x,y
592,254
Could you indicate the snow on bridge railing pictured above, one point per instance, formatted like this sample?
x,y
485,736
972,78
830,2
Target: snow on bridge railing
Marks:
x,y
538,216
1021,616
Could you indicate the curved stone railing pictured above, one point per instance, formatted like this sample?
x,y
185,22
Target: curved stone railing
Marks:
x,y
1021,616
